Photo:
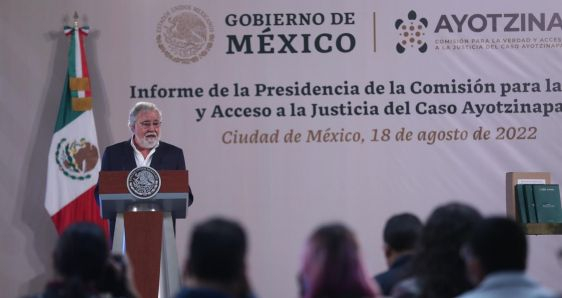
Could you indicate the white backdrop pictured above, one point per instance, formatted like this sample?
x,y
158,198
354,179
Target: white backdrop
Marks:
x,y
281,191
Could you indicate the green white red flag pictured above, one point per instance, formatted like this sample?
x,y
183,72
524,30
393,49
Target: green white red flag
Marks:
x,y
74,160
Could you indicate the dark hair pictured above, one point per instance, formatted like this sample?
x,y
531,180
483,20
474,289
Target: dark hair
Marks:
x,y
217,253
500,245
402,231
80,258
81,252
115,279
438,266
332,266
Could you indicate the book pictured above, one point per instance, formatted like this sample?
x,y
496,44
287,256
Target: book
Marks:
x,y
514,178
547,203
530,200
521,204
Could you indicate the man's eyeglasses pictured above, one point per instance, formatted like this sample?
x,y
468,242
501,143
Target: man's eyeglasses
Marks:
x,y
147,124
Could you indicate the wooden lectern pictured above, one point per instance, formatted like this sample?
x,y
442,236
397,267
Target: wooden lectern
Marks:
x,y
144,228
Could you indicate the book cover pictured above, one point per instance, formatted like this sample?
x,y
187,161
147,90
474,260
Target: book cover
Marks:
x,y
530,199
521,204
547,202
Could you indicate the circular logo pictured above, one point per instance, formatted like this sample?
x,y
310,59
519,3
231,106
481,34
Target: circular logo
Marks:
x,y
185,34
77,158
143,182
411,33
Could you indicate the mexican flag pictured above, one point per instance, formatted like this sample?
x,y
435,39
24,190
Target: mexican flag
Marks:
x,y
74,160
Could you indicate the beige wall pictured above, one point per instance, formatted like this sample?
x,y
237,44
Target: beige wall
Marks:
x,y
279,192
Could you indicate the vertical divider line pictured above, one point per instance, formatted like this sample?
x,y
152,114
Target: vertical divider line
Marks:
x,y
374,32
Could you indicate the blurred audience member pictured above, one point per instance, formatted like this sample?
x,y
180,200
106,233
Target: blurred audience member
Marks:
x,y
496,258
216,266
438,269
85,268
401,234
332,267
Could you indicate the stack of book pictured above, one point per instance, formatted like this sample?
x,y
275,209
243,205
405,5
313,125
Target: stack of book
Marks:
x,y
538,203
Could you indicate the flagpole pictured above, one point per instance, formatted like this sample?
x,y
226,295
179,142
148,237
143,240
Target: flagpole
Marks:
x,y
76,17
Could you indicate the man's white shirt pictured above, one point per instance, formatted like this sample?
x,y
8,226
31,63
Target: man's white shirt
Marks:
x,y
139,158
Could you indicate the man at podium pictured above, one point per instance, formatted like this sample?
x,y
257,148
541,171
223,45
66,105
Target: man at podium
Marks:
x,y
144,148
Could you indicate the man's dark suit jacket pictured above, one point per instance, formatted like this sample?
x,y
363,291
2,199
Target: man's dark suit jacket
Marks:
x,y
398,271
121,157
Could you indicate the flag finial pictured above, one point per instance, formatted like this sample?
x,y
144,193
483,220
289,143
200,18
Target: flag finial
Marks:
x,y
76,17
